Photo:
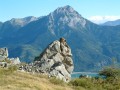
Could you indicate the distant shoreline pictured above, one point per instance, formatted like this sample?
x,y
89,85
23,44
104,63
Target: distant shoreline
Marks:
x,y
84,73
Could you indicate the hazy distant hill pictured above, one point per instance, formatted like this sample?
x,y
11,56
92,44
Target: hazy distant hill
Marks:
x,y
92,46
1,24
112,23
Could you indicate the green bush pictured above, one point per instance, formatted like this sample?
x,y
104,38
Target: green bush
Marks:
x,y
95,84
83,82
110,72
56,81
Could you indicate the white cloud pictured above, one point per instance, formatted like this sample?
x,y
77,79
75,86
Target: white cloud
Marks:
x,y
102,19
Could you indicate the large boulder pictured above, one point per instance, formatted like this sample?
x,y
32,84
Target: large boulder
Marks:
x,y
56,60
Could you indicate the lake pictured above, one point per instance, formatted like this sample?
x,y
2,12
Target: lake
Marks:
x,y
89,74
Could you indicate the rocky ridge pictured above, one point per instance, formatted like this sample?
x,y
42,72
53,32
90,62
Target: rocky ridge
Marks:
x,y
56,60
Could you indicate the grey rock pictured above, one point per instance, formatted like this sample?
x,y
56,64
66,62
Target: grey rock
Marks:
x,y
3,53
3,64
15,61
56,60
4,58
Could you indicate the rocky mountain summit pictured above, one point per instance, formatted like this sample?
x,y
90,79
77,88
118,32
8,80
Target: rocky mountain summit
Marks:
x,y
56,60
67,16
64,17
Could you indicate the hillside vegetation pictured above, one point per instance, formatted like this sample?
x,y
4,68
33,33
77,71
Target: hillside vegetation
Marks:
x,y
108,79
11,79
16,80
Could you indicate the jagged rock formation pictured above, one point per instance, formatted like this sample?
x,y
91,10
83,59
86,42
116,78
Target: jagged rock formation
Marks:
x,y
56,60
3,53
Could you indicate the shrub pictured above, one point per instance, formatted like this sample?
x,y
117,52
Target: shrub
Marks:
x,y
56,81
83,82
110,72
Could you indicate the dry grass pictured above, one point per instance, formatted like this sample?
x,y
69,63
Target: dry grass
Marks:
x,y
26,81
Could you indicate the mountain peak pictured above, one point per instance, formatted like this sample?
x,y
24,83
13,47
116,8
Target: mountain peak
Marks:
x,y
65,10
66,16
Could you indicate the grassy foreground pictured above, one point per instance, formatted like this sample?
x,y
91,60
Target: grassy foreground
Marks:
x,y
16,80
11,79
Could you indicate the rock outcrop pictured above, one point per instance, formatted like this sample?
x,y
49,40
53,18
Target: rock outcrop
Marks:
x,y
15,61
56,60
3,53
5,61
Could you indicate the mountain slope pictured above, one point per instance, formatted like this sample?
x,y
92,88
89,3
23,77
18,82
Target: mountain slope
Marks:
x,y
1,24
92,46
14,24
112,23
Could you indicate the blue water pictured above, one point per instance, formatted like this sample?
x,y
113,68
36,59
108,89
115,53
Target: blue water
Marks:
x,y
89,74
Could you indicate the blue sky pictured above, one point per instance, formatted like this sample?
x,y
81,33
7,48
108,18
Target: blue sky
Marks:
x,y
91,9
